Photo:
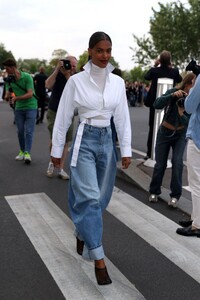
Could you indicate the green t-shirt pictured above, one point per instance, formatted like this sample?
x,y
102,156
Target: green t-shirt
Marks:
x,y
26,82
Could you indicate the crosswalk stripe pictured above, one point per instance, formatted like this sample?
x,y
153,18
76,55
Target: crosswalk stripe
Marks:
x,y
51,233
158,231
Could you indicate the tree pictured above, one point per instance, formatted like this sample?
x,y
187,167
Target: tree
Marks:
x,y
136,74
83,58
31,65
4,54
59,53
56,56
174,27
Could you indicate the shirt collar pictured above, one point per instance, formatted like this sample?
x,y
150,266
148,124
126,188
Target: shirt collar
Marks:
x,y
109,67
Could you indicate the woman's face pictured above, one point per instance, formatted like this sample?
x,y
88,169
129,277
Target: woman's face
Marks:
x,y
101,53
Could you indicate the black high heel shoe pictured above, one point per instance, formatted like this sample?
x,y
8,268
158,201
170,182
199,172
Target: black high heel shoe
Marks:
x,y
102,276
79,246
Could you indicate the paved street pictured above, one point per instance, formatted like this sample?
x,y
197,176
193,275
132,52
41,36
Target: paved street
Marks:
x,y
145,257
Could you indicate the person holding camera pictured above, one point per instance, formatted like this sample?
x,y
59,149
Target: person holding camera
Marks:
x,y
56,83
171,134
20,94
162,69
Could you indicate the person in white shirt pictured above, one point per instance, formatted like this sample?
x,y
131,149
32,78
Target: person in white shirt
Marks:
x,y
98,95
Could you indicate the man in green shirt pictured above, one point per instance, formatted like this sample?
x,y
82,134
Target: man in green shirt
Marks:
x,y
20,93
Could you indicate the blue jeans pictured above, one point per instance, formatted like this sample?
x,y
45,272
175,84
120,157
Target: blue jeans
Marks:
x,y
167,139
25,121
90,187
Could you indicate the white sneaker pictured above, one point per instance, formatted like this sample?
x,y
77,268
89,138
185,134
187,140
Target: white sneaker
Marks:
x,y
153,198
173,202
50,170
20,156
63,175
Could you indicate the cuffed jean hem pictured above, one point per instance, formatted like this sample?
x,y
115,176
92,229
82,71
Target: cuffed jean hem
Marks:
x,y
94,254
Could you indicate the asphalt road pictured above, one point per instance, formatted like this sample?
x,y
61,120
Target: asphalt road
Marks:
x,y
23,274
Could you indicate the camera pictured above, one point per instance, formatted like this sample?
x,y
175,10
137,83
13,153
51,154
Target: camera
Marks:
x,y
66,64
180,102
192,66
9,79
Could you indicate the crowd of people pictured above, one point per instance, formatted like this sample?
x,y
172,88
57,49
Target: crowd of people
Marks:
x,y
100,98
136,92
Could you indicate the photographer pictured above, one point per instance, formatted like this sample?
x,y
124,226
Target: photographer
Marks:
x,y
162,69
171,134
20,93
56,83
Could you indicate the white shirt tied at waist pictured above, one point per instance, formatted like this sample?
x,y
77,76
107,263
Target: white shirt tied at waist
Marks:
x,y
82,92
93,122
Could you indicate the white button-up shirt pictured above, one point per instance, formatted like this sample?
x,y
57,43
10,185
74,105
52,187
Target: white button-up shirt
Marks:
x,y
83,93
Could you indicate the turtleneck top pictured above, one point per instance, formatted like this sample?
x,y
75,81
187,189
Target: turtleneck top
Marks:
x,y
99,76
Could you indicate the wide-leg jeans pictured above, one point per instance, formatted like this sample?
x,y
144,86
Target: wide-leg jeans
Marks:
x,y
193,166
25,120
167,139
91,186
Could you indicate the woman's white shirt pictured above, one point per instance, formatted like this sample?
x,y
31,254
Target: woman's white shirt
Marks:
x,y
82,92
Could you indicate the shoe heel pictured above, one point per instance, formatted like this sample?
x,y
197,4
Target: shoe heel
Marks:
x,y
79,246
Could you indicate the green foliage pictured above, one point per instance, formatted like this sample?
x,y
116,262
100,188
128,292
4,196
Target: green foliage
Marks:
x,y
174,27
56,56
4,54
83,58
136,74
59,53
31,65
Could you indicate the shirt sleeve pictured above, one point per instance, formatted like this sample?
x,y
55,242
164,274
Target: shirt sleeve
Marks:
x,y
193,99
123,125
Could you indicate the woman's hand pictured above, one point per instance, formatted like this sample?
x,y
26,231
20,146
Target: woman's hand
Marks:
x,y
179,94
126,161
55,161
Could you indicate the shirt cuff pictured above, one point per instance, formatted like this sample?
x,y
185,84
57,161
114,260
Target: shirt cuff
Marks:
x,y
126,152
57,151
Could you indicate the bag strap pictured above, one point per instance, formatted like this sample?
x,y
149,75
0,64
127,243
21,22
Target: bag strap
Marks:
x,y
34,95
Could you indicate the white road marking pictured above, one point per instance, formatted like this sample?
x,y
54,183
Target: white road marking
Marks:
x,y
51,233
158,231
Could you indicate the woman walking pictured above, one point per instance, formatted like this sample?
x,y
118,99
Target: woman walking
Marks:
x,y
98,94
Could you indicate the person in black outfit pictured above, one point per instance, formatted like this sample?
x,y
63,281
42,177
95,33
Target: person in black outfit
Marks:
x,y
56,83
162,69
40,90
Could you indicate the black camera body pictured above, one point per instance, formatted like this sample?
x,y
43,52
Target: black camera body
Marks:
x,y
9,79
192,66
66,64
180,102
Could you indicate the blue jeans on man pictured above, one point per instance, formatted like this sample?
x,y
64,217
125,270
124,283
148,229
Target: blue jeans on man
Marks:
x,y
25,120
167,139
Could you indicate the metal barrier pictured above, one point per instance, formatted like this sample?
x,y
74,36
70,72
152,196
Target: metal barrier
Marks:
x,y
163,85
